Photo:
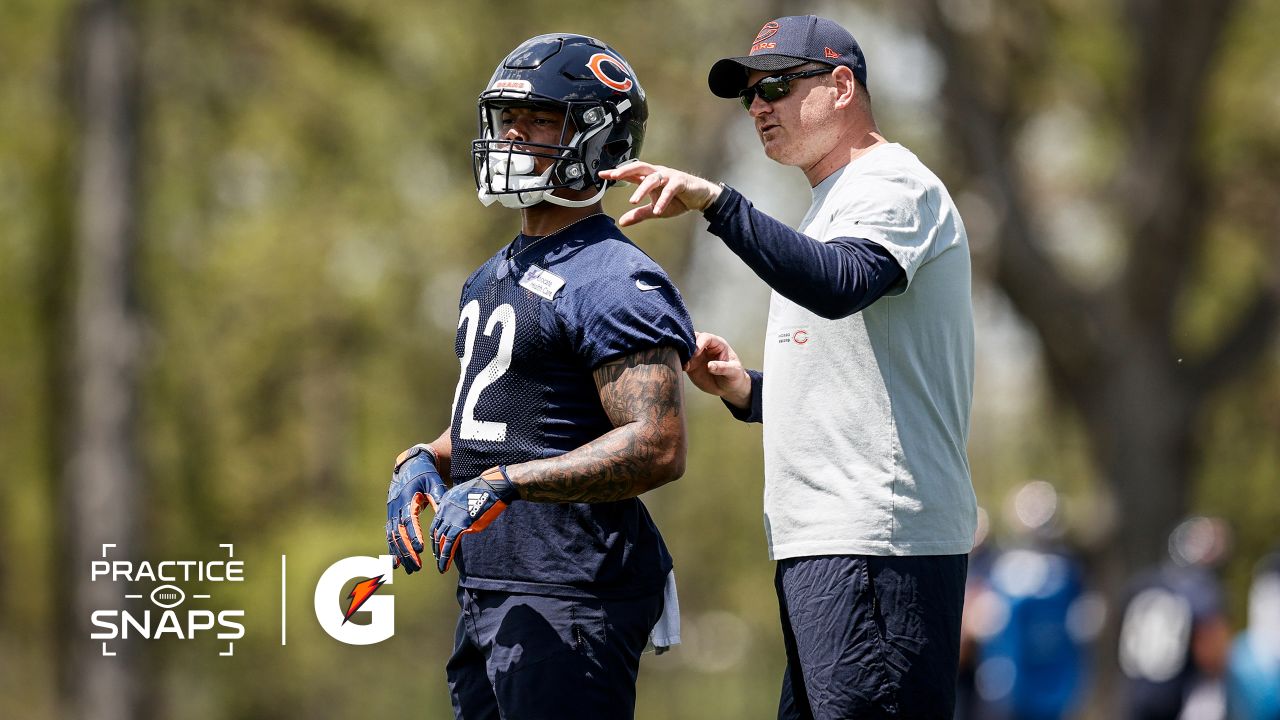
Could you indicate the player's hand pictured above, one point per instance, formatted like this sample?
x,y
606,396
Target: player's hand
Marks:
x,y
673,192
415,482
715,369
469,507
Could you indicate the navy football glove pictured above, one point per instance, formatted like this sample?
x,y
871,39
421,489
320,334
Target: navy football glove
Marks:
x,y
415,482
469,507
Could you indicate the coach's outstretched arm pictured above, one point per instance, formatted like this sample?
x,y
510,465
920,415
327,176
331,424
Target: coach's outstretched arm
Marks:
x,y
832,279
642,394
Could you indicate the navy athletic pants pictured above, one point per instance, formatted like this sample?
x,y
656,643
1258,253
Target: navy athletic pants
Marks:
x,y
534,656
870,636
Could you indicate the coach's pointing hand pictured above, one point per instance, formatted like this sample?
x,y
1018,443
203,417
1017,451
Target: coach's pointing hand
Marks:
x,y
673,192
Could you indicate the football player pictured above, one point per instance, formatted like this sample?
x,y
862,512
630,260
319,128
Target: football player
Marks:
x,y
568,407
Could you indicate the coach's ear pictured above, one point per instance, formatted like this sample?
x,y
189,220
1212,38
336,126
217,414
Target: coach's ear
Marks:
x,y
846,86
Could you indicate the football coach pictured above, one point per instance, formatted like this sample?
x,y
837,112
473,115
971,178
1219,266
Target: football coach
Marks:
x,y
869,507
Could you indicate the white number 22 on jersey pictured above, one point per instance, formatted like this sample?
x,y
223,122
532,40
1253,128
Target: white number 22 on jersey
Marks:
x,y
469,428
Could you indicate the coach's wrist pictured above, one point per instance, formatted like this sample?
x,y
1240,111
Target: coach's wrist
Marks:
x,y
739,395
715,199
752,410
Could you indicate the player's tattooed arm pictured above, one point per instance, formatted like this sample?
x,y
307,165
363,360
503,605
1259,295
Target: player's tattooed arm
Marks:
x,y
642,394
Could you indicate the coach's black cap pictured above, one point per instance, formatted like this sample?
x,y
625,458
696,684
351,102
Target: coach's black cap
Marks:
x,y
785,43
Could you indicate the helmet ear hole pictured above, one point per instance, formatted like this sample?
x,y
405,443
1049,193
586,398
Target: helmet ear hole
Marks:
x,y
614,153
618,148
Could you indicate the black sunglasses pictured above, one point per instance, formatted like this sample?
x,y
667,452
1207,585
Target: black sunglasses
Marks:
x,y
773,89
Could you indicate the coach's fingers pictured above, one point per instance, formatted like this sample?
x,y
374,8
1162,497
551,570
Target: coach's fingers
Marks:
x,y
715,347
650,184
636,215
704,340
724,367
629,172
704,351
671,188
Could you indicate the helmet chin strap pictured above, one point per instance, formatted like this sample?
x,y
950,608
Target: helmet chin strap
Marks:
x,y
551,197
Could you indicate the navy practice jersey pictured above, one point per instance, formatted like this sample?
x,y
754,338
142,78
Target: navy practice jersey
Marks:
x,y
534,322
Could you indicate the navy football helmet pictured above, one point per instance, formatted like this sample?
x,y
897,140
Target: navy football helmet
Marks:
x,y
605,113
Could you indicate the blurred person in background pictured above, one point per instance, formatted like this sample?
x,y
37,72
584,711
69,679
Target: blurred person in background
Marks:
x,y
1174,634
1253,670
869,507
1033,621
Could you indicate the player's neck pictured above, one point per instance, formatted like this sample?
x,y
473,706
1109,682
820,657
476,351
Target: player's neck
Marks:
x,y
546,218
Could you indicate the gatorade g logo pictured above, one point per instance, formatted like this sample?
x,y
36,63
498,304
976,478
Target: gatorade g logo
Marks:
x,y
334,608
596,65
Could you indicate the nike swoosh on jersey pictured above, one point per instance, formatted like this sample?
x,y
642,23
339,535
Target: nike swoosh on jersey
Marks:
x,y
642,285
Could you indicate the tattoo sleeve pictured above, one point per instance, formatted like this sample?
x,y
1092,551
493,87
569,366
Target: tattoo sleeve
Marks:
x,y
642,394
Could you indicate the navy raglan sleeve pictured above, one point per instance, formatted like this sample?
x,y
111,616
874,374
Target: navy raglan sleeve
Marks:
x,y
628,305
832,279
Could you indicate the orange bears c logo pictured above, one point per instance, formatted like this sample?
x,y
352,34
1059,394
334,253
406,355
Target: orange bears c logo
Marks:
x,y
596,65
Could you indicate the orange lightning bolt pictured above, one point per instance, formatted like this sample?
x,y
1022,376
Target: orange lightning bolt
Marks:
x,y
360,593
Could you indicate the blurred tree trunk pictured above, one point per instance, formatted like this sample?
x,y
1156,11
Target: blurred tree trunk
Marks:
x,y
102,474
1112,351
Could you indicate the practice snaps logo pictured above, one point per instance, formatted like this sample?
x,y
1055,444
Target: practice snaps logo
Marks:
x,y
334,609
173,612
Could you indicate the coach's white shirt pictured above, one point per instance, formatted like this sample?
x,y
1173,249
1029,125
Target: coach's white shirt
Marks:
x,y
866,419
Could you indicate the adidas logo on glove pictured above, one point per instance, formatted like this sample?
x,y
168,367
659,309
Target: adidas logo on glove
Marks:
x,y
475,501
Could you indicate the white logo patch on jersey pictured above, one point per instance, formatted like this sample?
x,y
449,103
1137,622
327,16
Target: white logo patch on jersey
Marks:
x,y
475,501
644,286
543,283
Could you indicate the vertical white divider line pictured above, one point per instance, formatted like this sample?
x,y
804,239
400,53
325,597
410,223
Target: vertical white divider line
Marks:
x,y
282,596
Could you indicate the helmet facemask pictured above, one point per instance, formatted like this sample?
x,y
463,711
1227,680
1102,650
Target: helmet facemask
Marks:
x,y
504,171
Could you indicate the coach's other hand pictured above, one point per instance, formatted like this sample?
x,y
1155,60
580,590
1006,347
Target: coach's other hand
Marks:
x,y
673,192
715,369
469,507
415,482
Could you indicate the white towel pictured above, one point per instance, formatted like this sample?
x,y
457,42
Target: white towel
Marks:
x,y
666,632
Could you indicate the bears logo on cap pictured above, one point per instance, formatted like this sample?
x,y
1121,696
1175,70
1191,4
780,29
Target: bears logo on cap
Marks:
x,y
769,30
